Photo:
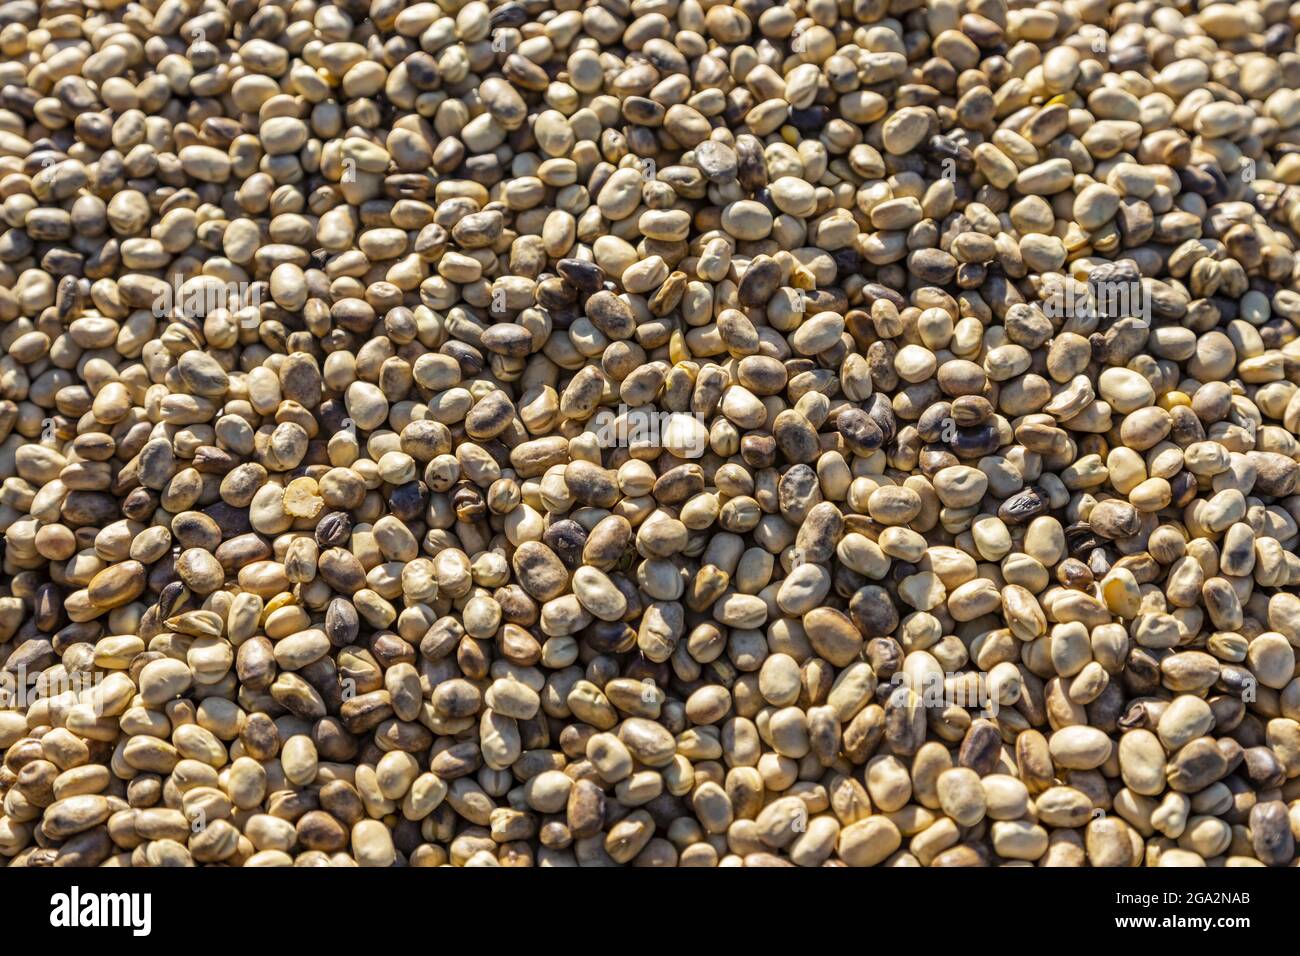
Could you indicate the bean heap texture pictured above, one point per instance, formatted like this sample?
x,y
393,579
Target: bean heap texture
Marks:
x,y
649,432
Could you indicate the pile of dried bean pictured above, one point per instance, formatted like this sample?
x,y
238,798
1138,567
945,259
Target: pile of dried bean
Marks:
x,y
649,432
